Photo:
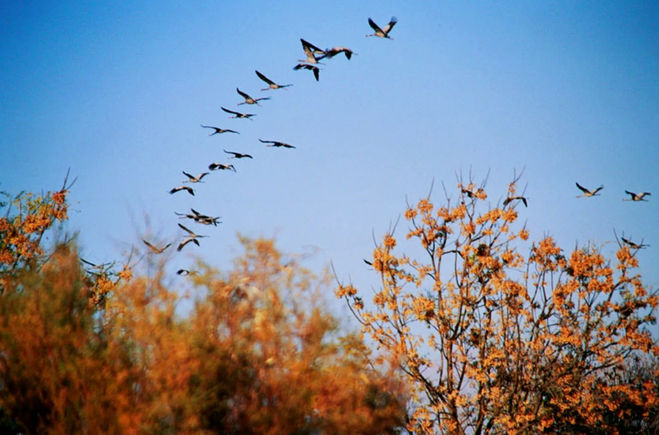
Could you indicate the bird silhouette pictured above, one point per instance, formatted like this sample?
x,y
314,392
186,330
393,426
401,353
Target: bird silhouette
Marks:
x,y
238,114
199,218
179,188
637,196
382,33
513,198
634,245
275,143
155,249
238,155
588,193
192,237
337,50
271,85
192,178
219,130
221,167
314,68
248,99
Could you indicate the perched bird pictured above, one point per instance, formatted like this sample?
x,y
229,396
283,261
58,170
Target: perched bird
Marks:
x,y
311,51
238,155
588,193
314,68
248,99
221,167
238,114
179,188
219,130
512,198
155,249
382,33
637,196
271,85
274,143
192,237
634,245
193,179
337,50
468,192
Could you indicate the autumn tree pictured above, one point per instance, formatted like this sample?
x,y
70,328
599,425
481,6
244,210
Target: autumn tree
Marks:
x,y
496,339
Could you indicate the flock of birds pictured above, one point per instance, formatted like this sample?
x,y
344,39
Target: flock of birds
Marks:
x,y
311,62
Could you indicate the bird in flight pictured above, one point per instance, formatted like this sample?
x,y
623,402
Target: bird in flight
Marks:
x,y
588,193
311,51
248,99
238,155
199,218
193,179
634,245
382,33
314,68
155,249
238,114
192,237
637,196
221,167
271,85
274,143
179,188
219,130
184,272
337,50
513,198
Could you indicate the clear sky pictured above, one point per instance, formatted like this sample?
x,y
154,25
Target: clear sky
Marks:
x,y
566,91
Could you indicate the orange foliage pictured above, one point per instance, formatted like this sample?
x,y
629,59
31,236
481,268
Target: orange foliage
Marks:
x,y
258,352
495,341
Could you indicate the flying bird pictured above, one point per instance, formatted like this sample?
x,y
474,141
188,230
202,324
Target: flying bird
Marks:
x,y
219,130
337,50
513,198
192,237
637,196
199,218
382,33
271,85
193,179
238,114
248,99
184,272
221,167
634,245
274,143
179,188
588,193
314,68
238,155
311,51
155,249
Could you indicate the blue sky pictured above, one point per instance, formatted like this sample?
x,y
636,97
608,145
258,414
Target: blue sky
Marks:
x,y
565,91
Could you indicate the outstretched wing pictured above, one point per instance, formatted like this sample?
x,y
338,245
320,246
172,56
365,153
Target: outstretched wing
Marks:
x,y
242,94
230,111
583,189
390,26
264,78
374,26
187,230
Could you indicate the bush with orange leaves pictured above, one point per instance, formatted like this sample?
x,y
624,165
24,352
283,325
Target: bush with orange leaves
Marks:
x,y
495,341
257,353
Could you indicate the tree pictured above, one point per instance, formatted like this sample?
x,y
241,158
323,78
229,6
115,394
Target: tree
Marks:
x,y
495,341
99,351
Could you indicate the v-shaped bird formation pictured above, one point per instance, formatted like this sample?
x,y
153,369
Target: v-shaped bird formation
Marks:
x,y
311,62
313,55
